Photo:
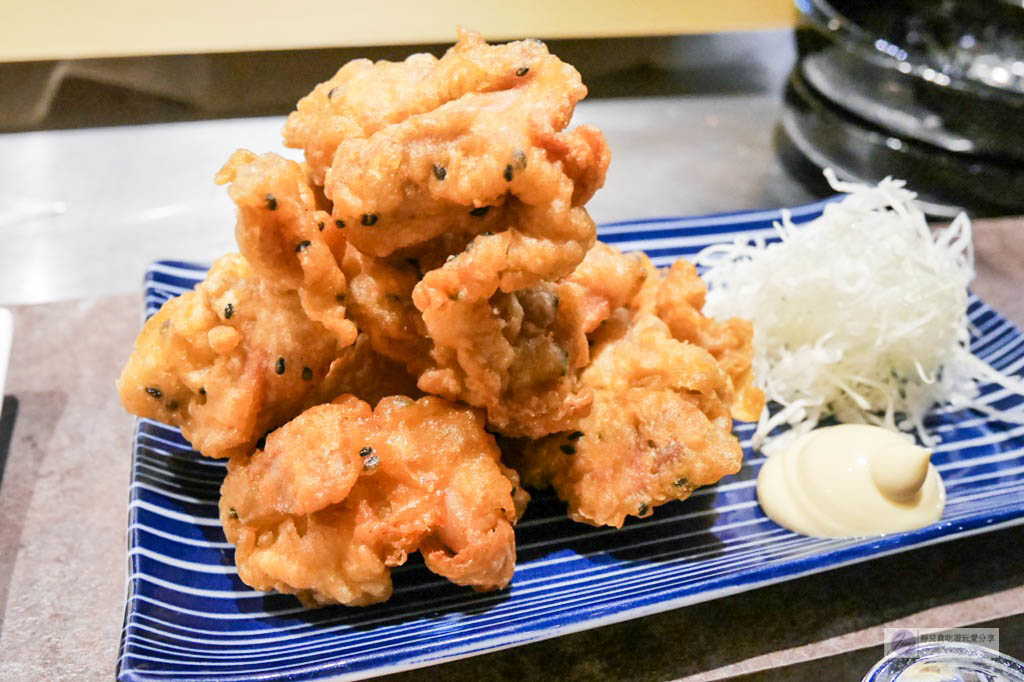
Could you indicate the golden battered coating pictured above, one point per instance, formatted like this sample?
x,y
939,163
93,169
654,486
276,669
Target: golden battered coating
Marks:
x,y
379,300
658,429
469,144
606,280
291,243
677,296
521,366
367,374
364,97
228,361
679,301
666,381
541,201
343,493
515,355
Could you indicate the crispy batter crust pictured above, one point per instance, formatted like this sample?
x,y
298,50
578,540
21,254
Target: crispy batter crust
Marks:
x,y
679,301
666,382
344,493
515,355
606,280
207,361
292,244
471,144
365,373
659,427
379,299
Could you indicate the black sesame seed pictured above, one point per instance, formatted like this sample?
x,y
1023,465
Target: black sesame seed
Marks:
x,y
261,444
307,373
440,172
368,219
555,301
271,202
651,444
514,491
340,298
302,246
565,360
680,482
508,173
233,513
340,224
332,92
480,212
202,390
522,71
567,449
642,509
366,451
155,392
320,225
575,435
229,310
371,463
279,366
172,404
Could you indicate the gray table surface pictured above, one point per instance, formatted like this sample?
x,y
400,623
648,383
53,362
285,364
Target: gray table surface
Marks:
x,y
83,211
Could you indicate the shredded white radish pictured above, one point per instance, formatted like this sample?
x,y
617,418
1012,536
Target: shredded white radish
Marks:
x,y
860,314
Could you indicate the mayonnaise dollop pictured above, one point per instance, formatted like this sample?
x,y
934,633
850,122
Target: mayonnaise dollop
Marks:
x,y
851,480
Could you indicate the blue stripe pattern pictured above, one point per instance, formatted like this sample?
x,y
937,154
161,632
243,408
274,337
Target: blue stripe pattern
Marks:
x,y
189,617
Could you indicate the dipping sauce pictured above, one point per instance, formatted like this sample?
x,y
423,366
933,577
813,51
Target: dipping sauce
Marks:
x,y
851,480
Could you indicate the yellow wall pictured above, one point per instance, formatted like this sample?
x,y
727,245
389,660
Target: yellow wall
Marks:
x,y
54,29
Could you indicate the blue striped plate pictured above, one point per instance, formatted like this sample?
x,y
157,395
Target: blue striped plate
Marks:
x,y
189,617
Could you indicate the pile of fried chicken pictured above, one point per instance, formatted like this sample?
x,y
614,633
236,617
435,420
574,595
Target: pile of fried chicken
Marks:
x,y
421,321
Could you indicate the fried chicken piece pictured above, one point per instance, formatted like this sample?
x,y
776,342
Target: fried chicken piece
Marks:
x,y
606,280
534,218
679,300
659,427
521,366
677,296
469,144
343,493
515,355
362,371
228,361
646,300
666,381
364,97
379,300
288,237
